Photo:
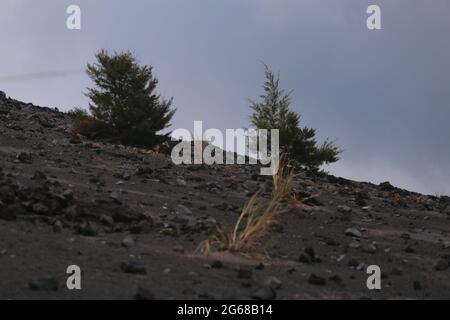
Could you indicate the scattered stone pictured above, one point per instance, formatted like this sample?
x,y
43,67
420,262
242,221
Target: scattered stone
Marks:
x,y
178,249
417,285
353,232
217,264
335,278
397,272
264,293
58,226
244,273
183,210
273,282
309,256
116,197
441,265
87,229
386,186
344,209
8,214
371,248
44,284
354,245
409,249
128,242
107,220
353,263
40,208
405,236
260,266
24,157
133,267
316,280
361,198
144,294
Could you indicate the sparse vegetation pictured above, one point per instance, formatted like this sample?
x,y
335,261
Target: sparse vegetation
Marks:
x,y
255,218
299,144
124,104
77,113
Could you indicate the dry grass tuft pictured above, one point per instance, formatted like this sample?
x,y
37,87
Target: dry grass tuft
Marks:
x,y
255,217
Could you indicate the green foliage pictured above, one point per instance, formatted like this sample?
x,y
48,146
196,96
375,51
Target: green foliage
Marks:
x,y
299,144
124,99
77,113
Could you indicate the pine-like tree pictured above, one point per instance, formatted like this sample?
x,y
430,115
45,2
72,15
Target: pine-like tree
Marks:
x,y
124,99
298,144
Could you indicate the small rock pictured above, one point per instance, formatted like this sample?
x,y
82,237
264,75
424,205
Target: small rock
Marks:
x,y
264,293
344,209
417,285
40,208
183,210
144,294
260,266
58,226
44,284
273,282
386,186
397,272
116,197
441,265
87,230
316,280
353,232
217,264
309,256
75,139
178,249
133,267
409,249
371,248
107,220
245,274
24,157
304,258
354,245
336,278
128,242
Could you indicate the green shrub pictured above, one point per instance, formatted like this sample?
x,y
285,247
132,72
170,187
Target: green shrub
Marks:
x,y
77,113
124,104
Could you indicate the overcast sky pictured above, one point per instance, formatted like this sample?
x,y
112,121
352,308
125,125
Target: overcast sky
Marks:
x,y
384,95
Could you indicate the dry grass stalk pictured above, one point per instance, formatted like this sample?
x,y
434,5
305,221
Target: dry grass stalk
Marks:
x,y
255,217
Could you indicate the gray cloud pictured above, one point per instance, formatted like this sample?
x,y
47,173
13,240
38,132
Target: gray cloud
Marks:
x,y
384,95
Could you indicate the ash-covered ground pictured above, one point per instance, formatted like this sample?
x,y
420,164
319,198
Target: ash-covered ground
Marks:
x,y
132,222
